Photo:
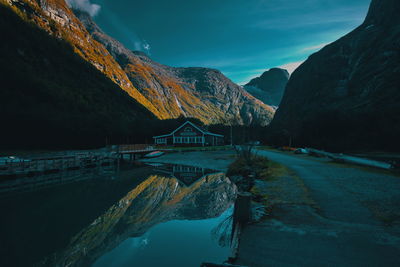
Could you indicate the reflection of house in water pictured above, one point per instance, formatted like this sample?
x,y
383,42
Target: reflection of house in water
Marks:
x,y
187,175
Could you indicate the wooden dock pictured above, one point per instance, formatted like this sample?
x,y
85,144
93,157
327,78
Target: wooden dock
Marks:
x,y
13,168
59,167
135,151
63,161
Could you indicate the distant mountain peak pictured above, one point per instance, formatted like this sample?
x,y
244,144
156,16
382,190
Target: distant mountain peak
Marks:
x,y
277,70
270,86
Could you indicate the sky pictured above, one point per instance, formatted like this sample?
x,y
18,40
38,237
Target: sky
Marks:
x,y
242,38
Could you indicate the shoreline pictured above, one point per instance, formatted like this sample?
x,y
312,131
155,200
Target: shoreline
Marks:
x,y
217,160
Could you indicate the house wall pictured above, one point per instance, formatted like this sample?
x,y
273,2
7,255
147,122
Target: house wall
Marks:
x,y
188,131
168,140
188,136
214,140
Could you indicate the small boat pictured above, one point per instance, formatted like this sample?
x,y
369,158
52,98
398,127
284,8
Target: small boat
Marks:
x,y
154,154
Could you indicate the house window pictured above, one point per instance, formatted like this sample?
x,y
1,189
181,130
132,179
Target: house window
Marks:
x,y
188,129
161,141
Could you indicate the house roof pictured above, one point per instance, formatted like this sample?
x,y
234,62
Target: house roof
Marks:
x,y
192,124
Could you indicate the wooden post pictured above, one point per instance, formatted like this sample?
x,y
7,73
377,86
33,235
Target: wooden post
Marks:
x,y
242,210
231,136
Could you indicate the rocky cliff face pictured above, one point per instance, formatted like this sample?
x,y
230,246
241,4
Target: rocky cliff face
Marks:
x,y
346,96
269,87
192,92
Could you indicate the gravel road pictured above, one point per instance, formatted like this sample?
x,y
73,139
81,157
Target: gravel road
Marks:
x,y
355,220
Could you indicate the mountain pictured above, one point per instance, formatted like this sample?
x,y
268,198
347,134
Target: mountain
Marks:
x,y
269,87
166,92
56,18
346,96
50,93
202,93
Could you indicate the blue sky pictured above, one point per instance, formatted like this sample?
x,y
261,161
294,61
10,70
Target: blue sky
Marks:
x,y
242,38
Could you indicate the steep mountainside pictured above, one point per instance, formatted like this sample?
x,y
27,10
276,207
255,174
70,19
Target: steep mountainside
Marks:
x,y
193,92
51,96
269,87
347,95
55,17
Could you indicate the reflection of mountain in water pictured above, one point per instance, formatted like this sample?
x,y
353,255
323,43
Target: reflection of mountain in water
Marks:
x,y
157,199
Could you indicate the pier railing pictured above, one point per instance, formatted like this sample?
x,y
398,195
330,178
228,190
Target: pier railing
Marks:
x,y
133,148
53,164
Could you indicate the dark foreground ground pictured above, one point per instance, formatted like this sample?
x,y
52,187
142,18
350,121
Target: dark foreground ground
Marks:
x,y
326,214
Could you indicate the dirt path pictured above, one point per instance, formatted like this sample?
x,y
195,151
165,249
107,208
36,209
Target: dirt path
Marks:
x,y
352,218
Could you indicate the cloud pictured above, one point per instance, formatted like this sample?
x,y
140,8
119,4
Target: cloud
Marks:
x,y
146,47
314,47
85,5
313,17
292,66
129,36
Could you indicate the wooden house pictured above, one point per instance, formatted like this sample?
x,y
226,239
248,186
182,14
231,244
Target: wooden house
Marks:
x,y
189,134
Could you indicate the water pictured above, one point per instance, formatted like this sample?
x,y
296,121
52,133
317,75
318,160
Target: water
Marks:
x,y
168,215
167,244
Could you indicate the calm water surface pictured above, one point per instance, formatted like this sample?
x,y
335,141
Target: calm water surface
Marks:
x,y
169,215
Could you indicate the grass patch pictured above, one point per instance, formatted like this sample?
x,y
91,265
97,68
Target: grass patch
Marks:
x,y
256,165
276,170
270,183
260,197
261,167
